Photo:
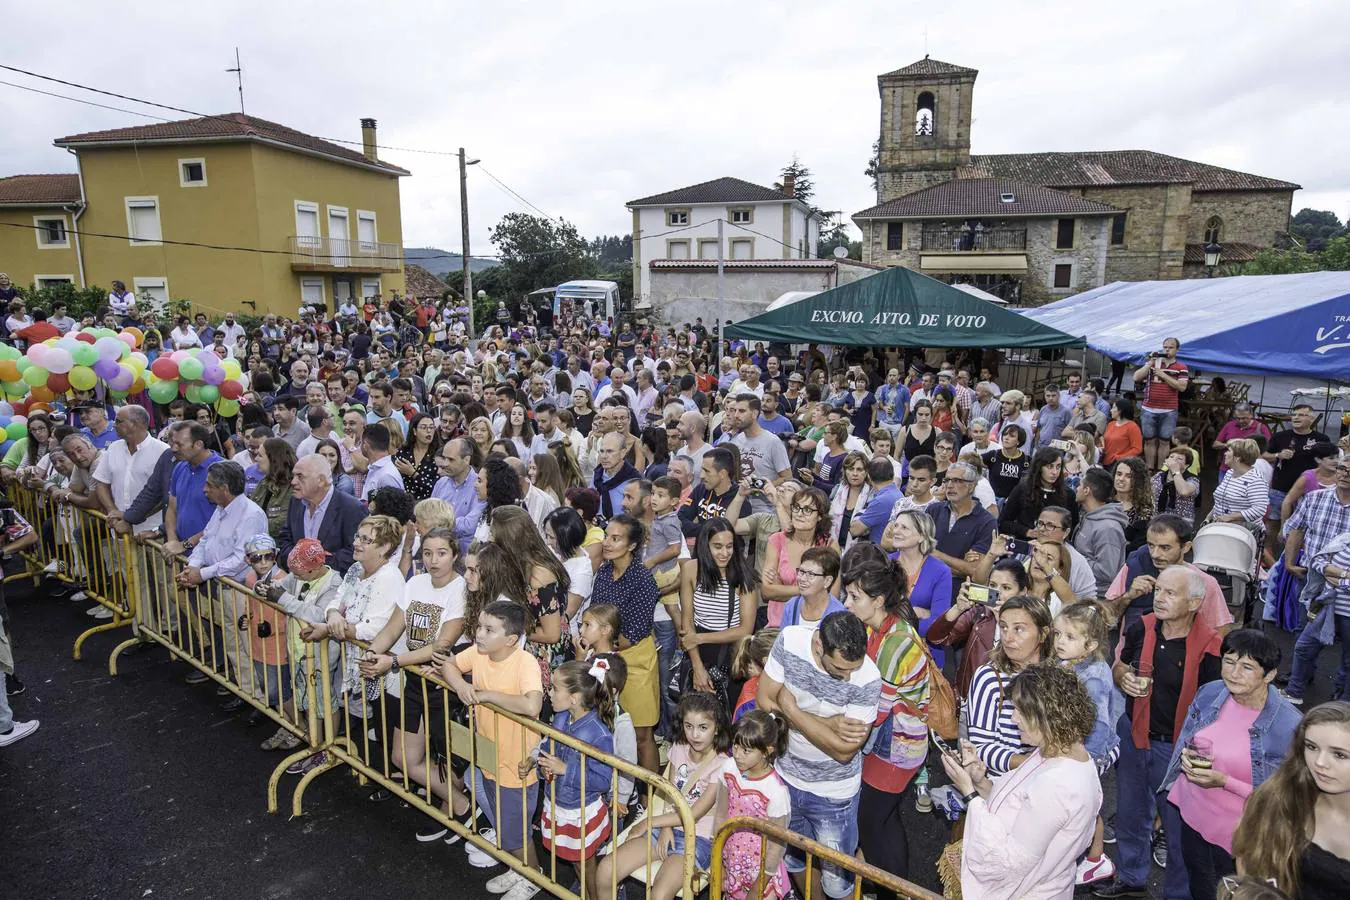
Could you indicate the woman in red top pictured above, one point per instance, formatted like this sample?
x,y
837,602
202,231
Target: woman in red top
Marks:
x,y
1123,437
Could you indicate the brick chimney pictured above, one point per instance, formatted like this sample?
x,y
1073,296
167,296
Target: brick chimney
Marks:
x,y
368,140
790,186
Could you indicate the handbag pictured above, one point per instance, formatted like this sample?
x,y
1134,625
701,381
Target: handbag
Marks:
x,y
942,711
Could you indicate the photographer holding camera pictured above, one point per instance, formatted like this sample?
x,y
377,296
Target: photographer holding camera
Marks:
x,y
1163,377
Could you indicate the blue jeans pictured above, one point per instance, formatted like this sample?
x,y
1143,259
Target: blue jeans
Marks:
x,y
6,714
1306,651
1157,425
833,823
667,644
1138,776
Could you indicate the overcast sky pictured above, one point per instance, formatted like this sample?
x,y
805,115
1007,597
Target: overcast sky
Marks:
x,y
580,107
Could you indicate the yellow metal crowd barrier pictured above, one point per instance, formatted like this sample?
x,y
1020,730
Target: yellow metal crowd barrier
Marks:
x,y
816,854
88,553
253,648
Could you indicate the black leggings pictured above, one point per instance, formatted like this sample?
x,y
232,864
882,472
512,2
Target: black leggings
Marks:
x,y
881,833
1206,863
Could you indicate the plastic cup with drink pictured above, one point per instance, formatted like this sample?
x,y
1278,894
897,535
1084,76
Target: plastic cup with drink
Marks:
x,y
1200,752
1143,673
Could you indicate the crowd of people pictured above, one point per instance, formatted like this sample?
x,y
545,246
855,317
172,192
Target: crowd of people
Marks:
x,y
767,575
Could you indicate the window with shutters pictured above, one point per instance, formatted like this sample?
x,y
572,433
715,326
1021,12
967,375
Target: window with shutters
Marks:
x,y
677,249
1118,229
367,235
143,221
743,248
1064,234
1064,275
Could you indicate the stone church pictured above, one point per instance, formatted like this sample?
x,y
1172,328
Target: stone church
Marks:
x,y
1034,227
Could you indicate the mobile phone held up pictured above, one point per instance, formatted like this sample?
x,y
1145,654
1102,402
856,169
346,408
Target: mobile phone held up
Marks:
x,y
1017,547
982,593
945,746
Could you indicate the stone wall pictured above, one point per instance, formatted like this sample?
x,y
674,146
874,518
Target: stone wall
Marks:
x,y
1087,256
680,296
1155,230
1249,217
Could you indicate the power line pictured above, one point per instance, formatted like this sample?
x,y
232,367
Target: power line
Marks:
x,y
130,112
515,194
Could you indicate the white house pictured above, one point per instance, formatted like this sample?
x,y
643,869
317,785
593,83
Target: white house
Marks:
x,y
758,223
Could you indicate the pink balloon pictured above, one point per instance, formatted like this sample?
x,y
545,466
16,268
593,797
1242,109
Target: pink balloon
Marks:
x,y
57,360
128,339
179,355
36,353
208,359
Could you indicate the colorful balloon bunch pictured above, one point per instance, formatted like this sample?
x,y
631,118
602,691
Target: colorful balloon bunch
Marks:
x,y
12,427
79,361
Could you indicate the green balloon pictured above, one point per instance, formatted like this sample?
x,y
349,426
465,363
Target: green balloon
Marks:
x,y
35,376
193,393
163,391
190,369
16,430
22,363
84,354
15,388
8,351
208,393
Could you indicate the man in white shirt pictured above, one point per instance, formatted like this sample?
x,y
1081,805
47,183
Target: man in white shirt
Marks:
x,y
381,471
231,329
748,382
537,503
184,335
121,473
618,381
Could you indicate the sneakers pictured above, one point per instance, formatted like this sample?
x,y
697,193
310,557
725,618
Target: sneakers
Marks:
x,y
481,859
1091,871
282,740
1160,848
302,766
1108,833
504,882
467,820
18,732
13,686
99,612
196,676
434,831
1117,888
52,567
524,890
78,596
1297,701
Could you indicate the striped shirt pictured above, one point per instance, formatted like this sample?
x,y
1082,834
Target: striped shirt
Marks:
x,y
717,610
1245,495
805,766
995,736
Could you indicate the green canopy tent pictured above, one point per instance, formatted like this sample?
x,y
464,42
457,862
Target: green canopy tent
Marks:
x,y
899,308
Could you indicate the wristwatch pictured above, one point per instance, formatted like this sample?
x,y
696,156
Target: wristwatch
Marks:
x,y
393,662
969,797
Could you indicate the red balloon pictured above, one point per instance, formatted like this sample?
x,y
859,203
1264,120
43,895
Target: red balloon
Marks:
x,y
165,368
58,382
231,390
86,337
21,408
183,388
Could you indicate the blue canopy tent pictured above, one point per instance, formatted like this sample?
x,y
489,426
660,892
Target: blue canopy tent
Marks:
x,y
1295,325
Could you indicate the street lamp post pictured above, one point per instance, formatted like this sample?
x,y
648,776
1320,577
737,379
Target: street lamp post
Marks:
x,y
1213,253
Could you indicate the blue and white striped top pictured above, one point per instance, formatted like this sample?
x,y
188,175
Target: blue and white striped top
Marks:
x,y
995,736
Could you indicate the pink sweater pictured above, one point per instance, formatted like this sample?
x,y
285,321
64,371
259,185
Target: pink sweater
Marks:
x,y
1025,840
1214,812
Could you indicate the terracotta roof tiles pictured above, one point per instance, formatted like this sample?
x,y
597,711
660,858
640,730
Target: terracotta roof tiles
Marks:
x,y
39,189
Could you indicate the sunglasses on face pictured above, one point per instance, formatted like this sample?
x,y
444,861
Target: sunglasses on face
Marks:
x,y
259,557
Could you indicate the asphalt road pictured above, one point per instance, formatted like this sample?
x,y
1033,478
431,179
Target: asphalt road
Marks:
x,y
140,786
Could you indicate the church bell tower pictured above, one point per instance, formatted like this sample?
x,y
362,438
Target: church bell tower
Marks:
x,y
925,126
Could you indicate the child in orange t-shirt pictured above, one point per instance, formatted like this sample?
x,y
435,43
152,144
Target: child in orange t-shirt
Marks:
x,y
506,676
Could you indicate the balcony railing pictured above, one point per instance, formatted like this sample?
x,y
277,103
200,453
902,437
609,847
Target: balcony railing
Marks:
x,y
975,240
320,254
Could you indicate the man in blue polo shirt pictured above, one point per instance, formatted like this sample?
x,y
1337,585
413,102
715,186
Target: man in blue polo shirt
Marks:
x,y
189,509
964,527
94,418
871,522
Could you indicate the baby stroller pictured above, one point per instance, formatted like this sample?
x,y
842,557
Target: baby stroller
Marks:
x,y
1228,552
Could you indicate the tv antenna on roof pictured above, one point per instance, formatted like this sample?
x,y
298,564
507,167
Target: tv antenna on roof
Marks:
x,y
238,71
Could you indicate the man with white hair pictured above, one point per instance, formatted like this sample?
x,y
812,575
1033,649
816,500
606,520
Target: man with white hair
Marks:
x,y
748,382
1166,655
320,512
537,503
986,405
612,473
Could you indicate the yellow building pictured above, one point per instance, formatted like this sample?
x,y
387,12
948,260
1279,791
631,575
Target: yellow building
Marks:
x,y
151,206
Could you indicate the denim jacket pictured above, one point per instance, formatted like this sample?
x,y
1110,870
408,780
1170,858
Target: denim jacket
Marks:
x,y
591,730
1271,733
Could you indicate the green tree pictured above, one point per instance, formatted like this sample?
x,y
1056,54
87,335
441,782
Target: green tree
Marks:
x,y
833,233
1313,228
803,188
538,252
1336,256
874,164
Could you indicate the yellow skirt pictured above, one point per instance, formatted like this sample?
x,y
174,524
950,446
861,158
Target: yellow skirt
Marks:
x,y
641,693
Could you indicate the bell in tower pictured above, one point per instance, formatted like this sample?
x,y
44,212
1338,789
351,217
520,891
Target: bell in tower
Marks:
x,y
925,126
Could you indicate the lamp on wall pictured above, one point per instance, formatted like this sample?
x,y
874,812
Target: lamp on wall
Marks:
x,y
1213,253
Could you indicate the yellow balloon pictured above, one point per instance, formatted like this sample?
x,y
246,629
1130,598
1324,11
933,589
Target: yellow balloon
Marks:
x,y
232,369
82,378
150,377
